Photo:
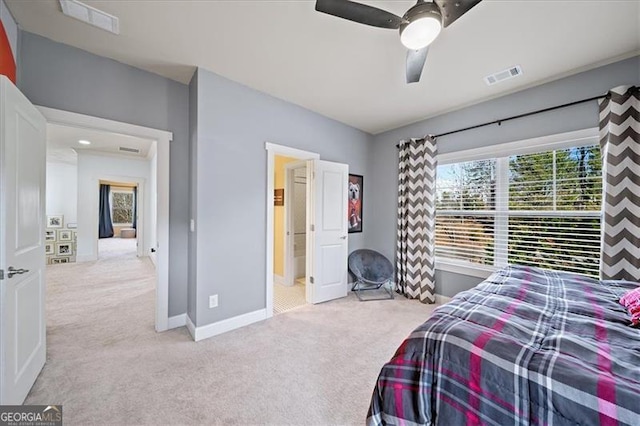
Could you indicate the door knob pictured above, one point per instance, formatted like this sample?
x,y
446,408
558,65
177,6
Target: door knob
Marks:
x,y
13,271
344,237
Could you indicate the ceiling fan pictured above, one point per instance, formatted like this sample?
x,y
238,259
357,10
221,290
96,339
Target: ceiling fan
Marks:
x,y
419,26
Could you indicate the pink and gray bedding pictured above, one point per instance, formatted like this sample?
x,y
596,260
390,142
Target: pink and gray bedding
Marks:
x,y
526,346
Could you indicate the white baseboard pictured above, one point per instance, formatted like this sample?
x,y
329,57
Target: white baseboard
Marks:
x,y
441,300
191,327
210,330
278,279
177,321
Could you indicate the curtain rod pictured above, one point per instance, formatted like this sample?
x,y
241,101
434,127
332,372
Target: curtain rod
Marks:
x,y
526,114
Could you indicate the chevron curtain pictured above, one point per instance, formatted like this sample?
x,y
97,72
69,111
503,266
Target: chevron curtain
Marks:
x,y
415,257
620,146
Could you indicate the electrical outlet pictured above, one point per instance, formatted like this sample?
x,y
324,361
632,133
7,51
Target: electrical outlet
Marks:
x,y
213,301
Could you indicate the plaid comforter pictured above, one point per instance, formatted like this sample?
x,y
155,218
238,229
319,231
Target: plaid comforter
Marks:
x,y
526,346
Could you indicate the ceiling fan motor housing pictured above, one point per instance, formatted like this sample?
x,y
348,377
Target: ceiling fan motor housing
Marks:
x,y
420,11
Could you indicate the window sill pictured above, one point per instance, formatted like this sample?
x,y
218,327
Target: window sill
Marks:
x,y
464,268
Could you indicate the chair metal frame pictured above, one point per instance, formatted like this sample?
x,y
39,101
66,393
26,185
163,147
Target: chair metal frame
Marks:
x,y
362,284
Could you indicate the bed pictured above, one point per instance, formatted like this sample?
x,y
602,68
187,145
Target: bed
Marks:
x,y
526,346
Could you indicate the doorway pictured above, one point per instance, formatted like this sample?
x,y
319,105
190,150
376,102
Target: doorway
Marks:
x,y
120,219
157,194
326,237
290,234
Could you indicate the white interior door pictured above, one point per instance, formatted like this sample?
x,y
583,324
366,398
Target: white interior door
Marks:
x,y
22,258
327,253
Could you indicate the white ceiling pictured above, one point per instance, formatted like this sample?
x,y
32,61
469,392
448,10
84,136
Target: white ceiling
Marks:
x,y
350,72
62,143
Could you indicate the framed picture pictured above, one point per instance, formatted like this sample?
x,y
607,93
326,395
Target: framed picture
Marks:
x,y
48,248
72,225
354,211
75,236
55,221
56,260
64,249
65,235
49,235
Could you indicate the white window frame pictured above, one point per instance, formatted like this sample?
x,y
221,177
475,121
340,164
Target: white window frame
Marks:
x,y
119,191
501,152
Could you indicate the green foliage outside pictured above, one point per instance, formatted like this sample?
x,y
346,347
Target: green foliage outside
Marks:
x,y
553,183
122,207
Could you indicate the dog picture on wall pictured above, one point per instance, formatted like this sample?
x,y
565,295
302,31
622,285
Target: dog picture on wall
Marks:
x,y
354,210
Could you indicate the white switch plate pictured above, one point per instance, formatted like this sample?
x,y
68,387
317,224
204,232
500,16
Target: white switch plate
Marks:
x,y
213,301
192,225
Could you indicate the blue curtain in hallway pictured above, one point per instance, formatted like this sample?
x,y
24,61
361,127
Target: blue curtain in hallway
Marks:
x,y
105,227
135,208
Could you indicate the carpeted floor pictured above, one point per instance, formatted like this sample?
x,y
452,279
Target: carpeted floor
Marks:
x,y
315,365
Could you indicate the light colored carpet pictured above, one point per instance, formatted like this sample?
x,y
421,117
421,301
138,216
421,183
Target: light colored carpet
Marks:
x,y
116,247
316,365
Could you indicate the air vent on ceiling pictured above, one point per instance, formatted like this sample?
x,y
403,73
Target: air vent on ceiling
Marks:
x,y
503,75
125,149
90,15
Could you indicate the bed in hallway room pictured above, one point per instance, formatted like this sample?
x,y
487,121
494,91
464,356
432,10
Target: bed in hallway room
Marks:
x,y
526,346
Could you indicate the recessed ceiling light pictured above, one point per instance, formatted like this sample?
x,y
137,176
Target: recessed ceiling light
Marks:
x,y
90,15
84,142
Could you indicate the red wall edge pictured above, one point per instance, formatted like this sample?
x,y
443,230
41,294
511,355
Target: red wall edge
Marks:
x,y
7,62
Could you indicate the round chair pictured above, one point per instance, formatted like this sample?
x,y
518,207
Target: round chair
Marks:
x,y
372,271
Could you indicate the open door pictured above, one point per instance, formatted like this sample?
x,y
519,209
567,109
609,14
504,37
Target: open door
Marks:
x,y
22,257
328,248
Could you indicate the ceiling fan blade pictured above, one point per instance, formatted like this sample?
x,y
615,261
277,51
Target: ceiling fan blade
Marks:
x,y
360,13
453,9
415,64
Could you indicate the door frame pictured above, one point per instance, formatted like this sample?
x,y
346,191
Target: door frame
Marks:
x,y
272,151
141,248
289,234
163,139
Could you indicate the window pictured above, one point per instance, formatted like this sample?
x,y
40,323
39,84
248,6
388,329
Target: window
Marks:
x,y
122,207
539,209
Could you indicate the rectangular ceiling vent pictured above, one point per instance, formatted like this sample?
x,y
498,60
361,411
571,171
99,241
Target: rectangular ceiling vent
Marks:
x,y
125,149
503,75
90,15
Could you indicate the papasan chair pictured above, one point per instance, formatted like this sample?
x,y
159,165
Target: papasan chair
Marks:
x,y
372,271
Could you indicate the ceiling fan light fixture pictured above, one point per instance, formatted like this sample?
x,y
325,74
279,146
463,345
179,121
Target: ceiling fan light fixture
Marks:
x,y
422,26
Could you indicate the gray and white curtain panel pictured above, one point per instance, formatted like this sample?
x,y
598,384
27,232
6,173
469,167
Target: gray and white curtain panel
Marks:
x,y
620,147
415,254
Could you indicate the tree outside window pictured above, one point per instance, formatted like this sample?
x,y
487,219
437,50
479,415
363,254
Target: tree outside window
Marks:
x,y
122,207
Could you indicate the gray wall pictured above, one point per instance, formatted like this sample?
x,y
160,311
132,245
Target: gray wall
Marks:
x,y
233,124
63,77
380,208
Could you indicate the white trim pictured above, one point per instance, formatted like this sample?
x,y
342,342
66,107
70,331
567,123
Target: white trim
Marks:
x,y
177,321
464,268
191,327
272,151
163,139
526,146
210,330
441,300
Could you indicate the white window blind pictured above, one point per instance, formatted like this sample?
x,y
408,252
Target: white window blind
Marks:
x,y
540,209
